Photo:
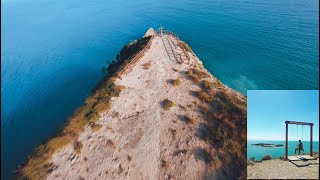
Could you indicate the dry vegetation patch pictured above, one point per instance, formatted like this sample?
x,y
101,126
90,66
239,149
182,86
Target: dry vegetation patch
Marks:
x,y
188,120
77,146
95,127
146,65
175,82
167,104
186,47
203,96
196,75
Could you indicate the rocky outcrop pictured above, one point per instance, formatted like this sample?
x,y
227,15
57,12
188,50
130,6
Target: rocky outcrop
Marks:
x,y
150,32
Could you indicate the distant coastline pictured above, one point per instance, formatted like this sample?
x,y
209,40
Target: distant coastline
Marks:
x,y
268,145
258,151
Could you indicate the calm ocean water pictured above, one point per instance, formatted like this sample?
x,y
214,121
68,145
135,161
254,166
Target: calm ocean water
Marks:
x,y
258,152
52,52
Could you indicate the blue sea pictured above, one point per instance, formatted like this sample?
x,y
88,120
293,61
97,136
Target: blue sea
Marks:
x,y
52,52
258,152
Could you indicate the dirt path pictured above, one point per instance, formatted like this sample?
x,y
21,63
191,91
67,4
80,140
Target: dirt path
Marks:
x,y
278,169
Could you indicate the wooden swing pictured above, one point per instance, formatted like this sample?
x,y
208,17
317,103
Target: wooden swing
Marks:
x,y
300,157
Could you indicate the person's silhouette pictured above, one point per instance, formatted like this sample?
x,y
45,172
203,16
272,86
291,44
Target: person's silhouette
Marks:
x,y
299,147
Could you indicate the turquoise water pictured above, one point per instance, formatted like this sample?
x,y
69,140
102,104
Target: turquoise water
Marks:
x,y
258,152
52,52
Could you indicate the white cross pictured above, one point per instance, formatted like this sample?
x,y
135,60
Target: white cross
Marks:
x,y
161,28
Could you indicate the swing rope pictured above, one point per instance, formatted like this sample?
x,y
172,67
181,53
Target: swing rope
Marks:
x,y
302,134
297,133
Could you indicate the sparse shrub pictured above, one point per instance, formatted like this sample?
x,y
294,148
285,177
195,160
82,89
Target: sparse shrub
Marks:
x,y
203,96
167,104
196,74
146,65
192,76
267,157
102,107
90,100
77,146
163,163
110,143
175,82
95,127
206,85
91,116
188,120
186,47
283,158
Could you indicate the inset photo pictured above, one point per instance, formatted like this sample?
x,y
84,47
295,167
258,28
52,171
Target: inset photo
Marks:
x,y
283,134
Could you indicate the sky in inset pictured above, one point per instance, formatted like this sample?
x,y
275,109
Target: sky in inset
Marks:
x,y
269,109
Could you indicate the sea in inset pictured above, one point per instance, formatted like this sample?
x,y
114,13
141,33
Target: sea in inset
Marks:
x,y
257,152
52,53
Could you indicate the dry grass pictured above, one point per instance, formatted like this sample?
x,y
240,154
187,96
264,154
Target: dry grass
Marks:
x,y
229,124
175,82
167,104
95,127
196,75
189,120
77,146
225,125
186,47
204,109
206,85
203,96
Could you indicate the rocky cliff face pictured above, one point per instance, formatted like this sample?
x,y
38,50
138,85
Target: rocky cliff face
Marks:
x,y
172,119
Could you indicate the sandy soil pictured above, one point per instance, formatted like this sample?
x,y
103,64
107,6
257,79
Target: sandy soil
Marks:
x,y
138,138
278,169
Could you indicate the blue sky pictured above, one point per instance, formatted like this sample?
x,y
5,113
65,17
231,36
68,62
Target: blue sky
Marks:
x,y
269,109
